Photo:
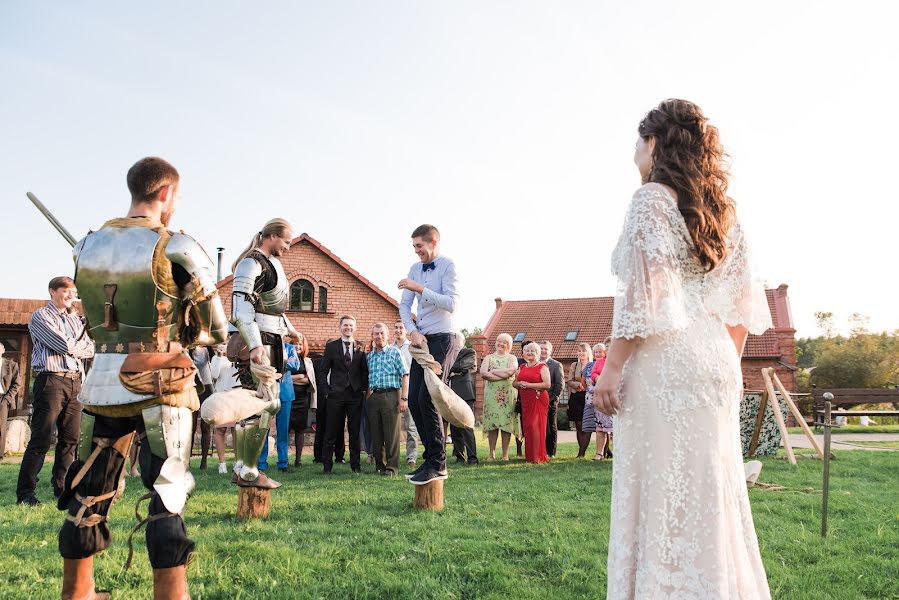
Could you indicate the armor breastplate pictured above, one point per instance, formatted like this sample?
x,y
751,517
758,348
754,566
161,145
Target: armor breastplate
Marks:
x,y
274,302
120,269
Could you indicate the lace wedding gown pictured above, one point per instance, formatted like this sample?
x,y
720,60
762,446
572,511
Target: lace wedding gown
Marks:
x,y
681,526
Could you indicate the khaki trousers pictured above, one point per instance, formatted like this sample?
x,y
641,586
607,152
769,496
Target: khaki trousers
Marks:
x,y
384,423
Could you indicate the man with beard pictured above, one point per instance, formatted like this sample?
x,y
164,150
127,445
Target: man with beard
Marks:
x,y
260,296
147,295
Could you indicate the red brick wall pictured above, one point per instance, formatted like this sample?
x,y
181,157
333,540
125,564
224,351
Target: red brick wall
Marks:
x,y
346,295
479,345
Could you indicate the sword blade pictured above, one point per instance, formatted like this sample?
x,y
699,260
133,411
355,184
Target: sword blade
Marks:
x,y
53,221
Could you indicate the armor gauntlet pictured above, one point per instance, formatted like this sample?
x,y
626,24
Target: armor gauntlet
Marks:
x,y
204,322
243,301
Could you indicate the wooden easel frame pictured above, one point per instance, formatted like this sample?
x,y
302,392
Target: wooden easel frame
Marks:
x,y
770,399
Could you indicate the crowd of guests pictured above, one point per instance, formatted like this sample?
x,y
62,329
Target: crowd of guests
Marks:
x,y
355,391
521,398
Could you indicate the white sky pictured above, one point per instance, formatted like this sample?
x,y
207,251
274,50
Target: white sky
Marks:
x,y
509,125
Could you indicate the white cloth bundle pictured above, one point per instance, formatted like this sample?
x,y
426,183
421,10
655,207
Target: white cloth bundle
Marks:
x,y
240,403
450,406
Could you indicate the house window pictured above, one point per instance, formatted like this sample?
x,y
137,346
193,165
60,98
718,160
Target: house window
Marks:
x,y
301,294
519,337
322,299
571,336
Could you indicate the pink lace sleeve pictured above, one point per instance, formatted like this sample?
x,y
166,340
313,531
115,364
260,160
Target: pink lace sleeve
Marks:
x,y
650,297
733,293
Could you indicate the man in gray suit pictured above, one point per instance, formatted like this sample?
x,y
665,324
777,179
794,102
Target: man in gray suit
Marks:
x,y
9,393
557,379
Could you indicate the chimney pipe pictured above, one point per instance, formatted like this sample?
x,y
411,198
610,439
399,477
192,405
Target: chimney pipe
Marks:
x,y
218,273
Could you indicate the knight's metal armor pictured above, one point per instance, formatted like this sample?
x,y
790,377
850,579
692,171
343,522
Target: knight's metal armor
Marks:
x,y
260,297
147,294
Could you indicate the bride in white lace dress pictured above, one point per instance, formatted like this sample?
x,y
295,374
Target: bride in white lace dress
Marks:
x,y
681,525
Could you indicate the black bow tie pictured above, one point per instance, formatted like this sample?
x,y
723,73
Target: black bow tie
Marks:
x,y
428,266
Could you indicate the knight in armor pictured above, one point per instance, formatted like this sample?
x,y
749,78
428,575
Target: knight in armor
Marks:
x,y
147,294
258,330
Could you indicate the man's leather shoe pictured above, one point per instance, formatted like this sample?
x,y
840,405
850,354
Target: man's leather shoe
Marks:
x,y
29,501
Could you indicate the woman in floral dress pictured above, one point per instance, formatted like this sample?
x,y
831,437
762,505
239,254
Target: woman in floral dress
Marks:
x,y
499,369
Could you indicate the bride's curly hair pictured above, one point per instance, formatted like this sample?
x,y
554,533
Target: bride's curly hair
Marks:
x,y
689,158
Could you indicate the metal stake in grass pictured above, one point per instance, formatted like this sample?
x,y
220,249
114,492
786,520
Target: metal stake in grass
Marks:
x,y
827,425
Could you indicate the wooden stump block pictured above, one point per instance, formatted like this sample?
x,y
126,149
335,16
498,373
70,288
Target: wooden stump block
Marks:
x,y
429,496
253,503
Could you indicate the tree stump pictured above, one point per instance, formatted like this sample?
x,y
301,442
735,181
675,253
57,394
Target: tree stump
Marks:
x,y
253,503
429,496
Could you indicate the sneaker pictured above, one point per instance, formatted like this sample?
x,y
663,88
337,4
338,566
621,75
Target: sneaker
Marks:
x,y
412,474
427,475
340,461
29,501
223,468
424,466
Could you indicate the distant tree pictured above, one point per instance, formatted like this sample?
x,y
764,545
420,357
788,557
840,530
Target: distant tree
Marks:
x,y
861,360
468,334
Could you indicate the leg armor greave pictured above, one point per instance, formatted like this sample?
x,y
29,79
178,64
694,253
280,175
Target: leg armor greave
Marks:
x,y
169,431
254,431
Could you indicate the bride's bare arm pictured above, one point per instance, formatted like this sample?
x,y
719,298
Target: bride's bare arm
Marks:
x,y
605,394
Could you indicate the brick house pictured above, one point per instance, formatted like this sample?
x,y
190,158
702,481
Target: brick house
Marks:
x,y
567,322
322,288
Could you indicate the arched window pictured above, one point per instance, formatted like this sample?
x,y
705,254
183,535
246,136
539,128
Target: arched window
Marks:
x,y
322,299
301,295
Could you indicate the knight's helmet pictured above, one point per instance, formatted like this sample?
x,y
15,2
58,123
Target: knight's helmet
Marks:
x,y
143,284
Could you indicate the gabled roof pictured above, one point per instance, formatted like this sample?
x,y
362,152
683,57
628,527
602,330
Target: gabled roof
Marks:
x,y
305,237
17,311
591,318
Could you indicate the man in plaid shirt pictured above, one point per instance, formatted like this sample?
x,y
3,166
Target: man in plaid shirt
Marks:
x,y
388,389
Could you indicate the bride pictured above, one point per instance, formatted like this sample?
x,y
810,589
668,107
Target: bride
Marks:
x,y
681,526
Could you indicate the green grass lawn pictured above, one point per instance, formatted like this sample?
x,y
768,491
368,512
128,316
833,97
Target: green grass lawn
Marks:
x,y
853,429
509,531
875,443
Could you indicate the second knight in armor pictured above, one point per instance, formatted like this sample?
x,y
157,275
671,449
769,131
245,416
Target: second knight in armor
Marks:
x,y
259,326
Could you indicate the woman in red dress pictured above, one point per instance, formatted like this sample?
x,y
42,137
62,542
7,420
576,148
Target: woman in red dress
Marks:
x,y
532,382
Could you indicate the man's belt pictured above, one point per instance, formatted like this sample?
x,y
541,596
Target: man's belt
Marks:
x,y
135,347
65,374
383,390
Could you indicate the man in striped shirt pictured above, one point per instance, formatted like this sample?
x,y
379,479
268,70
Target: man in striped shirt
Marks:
x,y
59,349
388,387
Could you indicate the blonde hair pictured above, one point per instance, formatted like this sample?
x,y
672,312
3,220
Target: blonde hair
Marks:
x,y
586,346
599,348
278,227
535,345
505,337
